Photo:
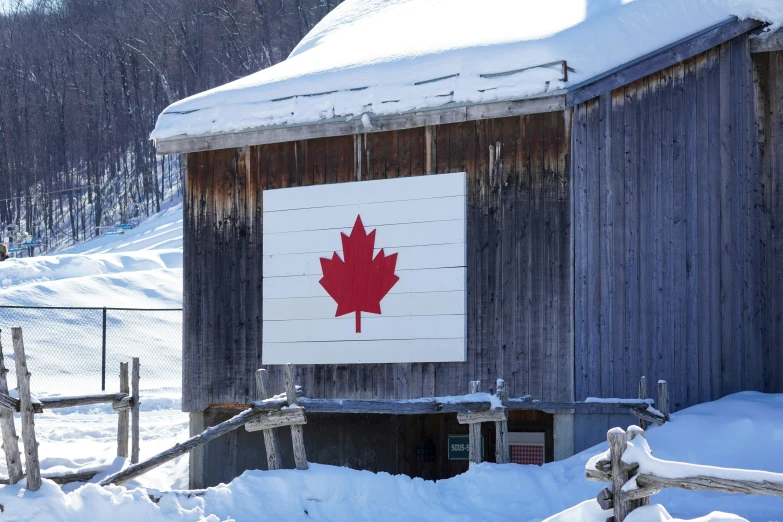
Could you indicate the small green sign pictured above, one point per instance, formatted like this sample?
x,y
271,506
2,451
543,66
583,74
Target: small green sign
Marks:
x,y
459,447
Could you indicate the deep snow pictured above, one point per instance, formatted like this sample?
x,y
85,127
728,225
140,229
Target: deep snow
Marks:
x,y
740,430
392,56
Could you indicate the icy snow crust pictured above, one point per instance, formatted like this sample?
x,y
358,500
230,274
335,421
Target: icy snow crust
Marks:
x,y
742,430
381,57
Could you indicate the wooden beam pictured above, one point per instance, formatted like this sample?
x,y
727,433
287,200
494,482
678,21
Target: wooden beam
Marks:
x,y
476,417
31,464
767,43
13,458
277,419
135,410
64,478
501,427
123,422
297,433
390,407
659,59
704,483
135,470
548,102
271,439
81,400
474,431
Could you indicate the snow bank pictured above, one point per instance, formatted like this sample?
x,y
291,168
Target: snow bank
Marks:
x,y
393,56
744,428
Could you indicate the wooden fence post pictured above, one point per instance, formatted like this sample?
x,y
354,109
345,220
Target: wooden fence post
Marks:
x,y
271,440
474,431
643,395
32,466
617,445
501,427
297,432
135,411
10,441
663,398
632,433
124,414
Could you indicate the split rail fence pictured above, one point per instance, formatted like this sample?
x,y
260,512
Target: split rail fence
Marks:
x,y
288,410
125,402
635,475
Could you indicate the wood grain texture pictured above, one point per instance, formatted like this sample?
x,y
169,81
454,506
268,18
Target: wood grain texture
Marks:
x,y
271,438
123,417
135,409
32,467
695,277
225,260
10,439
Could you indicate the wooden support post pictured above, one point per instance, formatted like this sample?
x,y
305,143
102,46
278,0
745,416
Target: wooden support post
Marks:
x,y
135,411
297,432
663,398
271,440
123,424
501,427
474,431
32,466
632,433
13,459
617,445
643,395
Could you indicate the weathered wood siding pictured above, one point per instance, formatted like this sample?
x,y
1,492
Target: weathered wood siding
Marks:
x,y
768,69
519,259
672,227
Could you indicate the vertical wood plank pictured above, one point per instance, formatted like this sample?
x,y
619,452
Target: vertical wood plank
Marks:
x,y
631,175
271,439
135,409
474,439
618,344
581,258
10,439
297,433
643,143
726,241
31,464
123,421
501,427
605,261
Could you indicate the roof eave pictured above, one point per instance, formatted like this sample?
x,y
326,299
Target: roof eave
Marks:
x,y
449,113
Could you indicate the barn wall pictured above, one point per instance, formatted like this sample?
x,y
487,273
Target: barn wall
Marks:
x,y
671,218
520,322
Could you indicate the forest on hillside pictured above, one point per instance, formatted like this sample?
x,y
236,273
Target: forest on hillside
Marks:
x,y
82,83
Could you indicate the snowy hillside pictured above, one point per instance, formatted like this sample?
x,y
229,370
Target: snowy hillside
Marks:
x,y
141,268
742,430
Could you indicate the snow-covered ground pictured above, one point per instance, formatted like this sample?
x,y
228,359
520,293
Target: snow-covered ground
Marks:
x,y
143,268
742,430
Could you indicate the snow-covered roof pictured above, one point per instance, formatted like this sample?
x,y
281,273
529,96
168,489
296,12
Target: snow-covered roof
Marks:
x,y
395,56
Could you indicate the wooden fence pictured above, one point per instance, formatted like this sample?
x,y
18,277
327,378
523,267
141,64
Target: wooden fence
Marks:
x,y
288,410
125,402
639,475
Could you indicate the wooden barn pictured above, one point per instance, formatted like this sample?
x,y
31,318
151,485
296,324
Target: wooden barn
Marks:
x,y
620,221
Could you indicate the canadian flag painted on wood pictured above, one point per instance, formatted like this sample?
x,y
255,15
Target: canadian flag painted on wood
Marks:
x,y
365,272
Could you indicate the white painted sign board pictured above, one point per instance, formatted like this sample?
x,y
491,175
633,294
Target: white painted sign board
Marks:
x,y
365,272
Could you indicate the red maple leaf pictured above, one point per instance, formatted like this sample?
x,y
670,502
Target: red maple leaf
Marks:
x,y
360,282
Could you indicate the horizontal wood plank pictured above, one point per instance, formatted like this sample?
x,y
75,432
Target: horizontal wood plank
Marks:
x,y
340,218
393,305
386,236
408,258
365,352
423,280
373,191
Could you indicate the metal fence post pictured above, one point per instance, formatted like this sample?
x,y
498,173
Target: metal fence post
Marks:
x,y
103,353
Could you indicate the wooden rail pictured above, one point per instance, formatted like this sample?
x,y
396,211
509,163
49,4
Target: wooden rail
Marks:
x,y
123,402
620,466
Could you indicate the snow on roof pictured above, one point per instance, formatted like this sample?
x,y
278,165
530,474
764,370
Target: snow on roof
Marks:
x,y
395,56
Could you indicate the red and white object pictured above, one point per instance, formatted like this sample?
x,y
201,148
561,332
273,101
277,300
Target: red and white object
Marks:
x,y
527,447
365,272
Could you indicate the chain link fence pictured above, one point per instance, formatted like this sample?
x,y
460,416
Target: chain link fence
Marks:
x,y
79,350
